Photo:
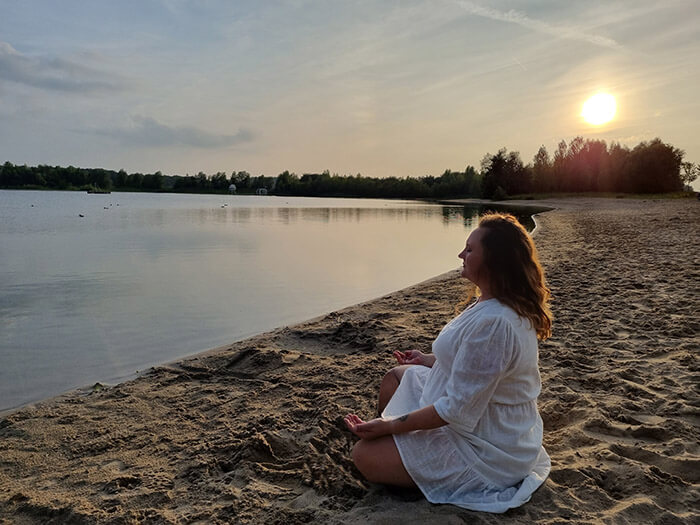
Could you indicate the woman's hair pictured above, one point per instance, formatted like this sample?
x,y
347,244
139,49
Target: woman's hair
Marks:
x,y
514,272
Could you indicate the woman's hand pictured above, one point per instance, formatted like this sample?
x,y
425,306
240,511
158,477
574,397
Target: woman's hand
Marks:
x,y
424,418
372,429
414,357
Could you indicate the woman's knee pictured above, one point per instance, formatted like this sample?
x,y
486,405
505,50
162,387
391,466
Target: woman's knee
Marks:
x,y
361,458
389,381
394,375
379,462
367,461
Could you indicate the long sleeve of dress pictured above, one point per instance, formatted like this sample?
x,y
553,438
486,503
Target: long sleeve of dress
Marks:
x,y
481,361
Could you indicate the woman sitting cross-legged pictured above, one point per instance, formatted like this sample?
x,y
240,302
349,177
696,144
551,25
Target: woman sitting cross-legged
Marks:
x,y
462,423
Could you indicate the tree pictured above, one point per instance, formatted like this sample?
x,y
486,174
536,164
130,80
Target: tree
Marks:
x,y
492,168
219,181
186,183
134,180
574,167
593,158
241,179
616,175
121,179
655,167
559,167
506,171
262,181
201,181
542,171
473,181
286,183
690,173
152,181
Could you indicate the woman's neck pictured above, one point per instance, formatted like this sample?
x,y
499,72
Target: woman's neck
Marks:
x,y
483,284
485,294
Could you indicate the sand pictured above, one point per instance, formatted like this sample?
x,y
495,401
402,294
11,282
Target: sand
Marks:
x,y
253,432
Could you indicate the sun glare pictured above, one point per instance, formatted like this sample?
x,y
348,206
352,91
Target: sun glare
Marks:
x,y
599,109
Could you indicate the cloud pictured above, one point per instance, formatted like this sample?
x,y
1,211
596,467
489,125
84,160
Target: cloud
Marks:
x,y
515,17
148,132
53,73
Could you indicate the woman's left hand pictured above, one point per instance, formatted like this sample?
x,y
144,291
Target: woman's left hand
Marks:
x,y
373,429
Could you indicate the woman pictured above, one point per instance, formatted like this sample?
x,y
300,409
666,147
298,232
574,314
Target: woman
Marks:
x,y
461,423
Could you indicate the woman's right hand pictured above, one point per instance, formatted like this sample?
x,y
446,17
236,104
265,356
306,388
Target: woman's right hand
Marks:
x,y
414,357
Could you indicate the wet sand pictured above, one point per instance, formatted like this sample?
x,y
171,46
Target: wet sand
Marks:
x,y
253,433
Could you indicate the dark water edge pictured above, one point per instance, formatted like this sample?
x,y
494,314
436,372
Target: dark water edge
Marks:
x,y
522,211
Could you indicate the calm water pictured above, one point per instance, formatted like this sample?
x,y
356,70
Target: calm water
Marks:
x,y
143,279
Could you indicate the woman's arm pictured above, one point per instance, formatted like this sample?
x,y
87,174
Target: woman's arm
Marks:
x,y
422,419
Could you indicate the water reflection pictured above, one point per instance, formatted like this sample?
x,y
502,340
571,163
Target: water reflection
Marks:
x,y
291,215
465,215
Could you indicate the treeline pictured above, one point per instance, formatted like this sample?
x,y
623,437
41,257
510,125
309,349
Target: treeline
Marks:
x,y
323,184
72,178
449,184
580,166
589,166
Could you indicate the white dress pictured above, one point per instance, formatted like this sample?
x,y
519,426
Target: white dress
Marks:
x,y
484,383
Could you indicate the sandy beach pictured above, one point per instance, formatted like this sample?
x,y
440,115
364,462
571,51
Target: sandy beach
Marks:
x,y
253,433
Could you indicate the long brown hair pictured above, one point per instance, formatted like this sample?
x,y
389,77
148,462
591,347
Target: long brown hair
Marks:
x,y
514,271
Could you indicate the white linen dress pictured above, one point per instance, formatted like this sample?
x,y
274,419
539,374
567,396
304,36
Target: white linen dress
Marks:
x,y
484,383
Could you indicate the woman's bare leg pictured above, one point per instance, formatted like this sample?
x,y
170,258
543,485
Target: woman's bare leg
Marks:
x,y
379,461
389,385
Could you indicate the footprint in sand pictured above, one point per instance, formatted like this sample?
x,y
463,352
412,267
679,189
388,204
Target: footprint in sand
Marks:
x,y
121,483
115,466
687,470
609,432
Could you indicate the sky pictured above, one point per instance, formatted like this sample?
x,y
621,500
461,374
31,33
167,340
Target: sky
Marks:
x,y
381,88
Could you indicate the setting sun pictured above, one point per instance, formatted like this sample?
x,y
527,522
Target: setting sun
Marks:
x,y
599,109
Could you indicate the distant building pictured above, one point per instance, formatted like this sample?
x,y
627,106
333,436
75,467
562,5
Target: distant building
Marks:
x,y
232,188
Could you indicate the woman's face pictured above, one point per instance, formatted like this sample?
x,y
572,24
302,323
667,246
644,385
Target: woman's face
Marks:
x,y
472,257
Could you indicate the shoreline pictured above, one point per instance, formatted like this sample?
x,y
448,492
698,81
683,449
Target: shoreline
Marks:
x,y
252,431
99,383
90,387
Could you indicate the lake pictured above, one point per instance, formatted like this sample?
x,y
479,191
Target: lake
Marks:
x,y
95,287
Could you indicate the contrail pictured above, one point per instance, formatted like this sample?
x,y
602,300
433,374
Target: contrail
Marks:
x,y
515,17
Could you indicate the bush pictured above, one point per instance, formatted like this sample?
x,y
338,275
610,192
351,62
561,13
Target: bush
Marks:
x,y
499,195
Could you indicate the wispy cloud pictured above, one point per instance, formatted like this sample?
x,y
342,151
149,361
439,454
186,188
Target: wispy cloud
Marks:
x,y
521,19
148,132
53,73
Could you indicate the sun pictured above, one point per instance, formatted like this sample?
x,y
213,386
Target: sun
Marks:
x,y
599,109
